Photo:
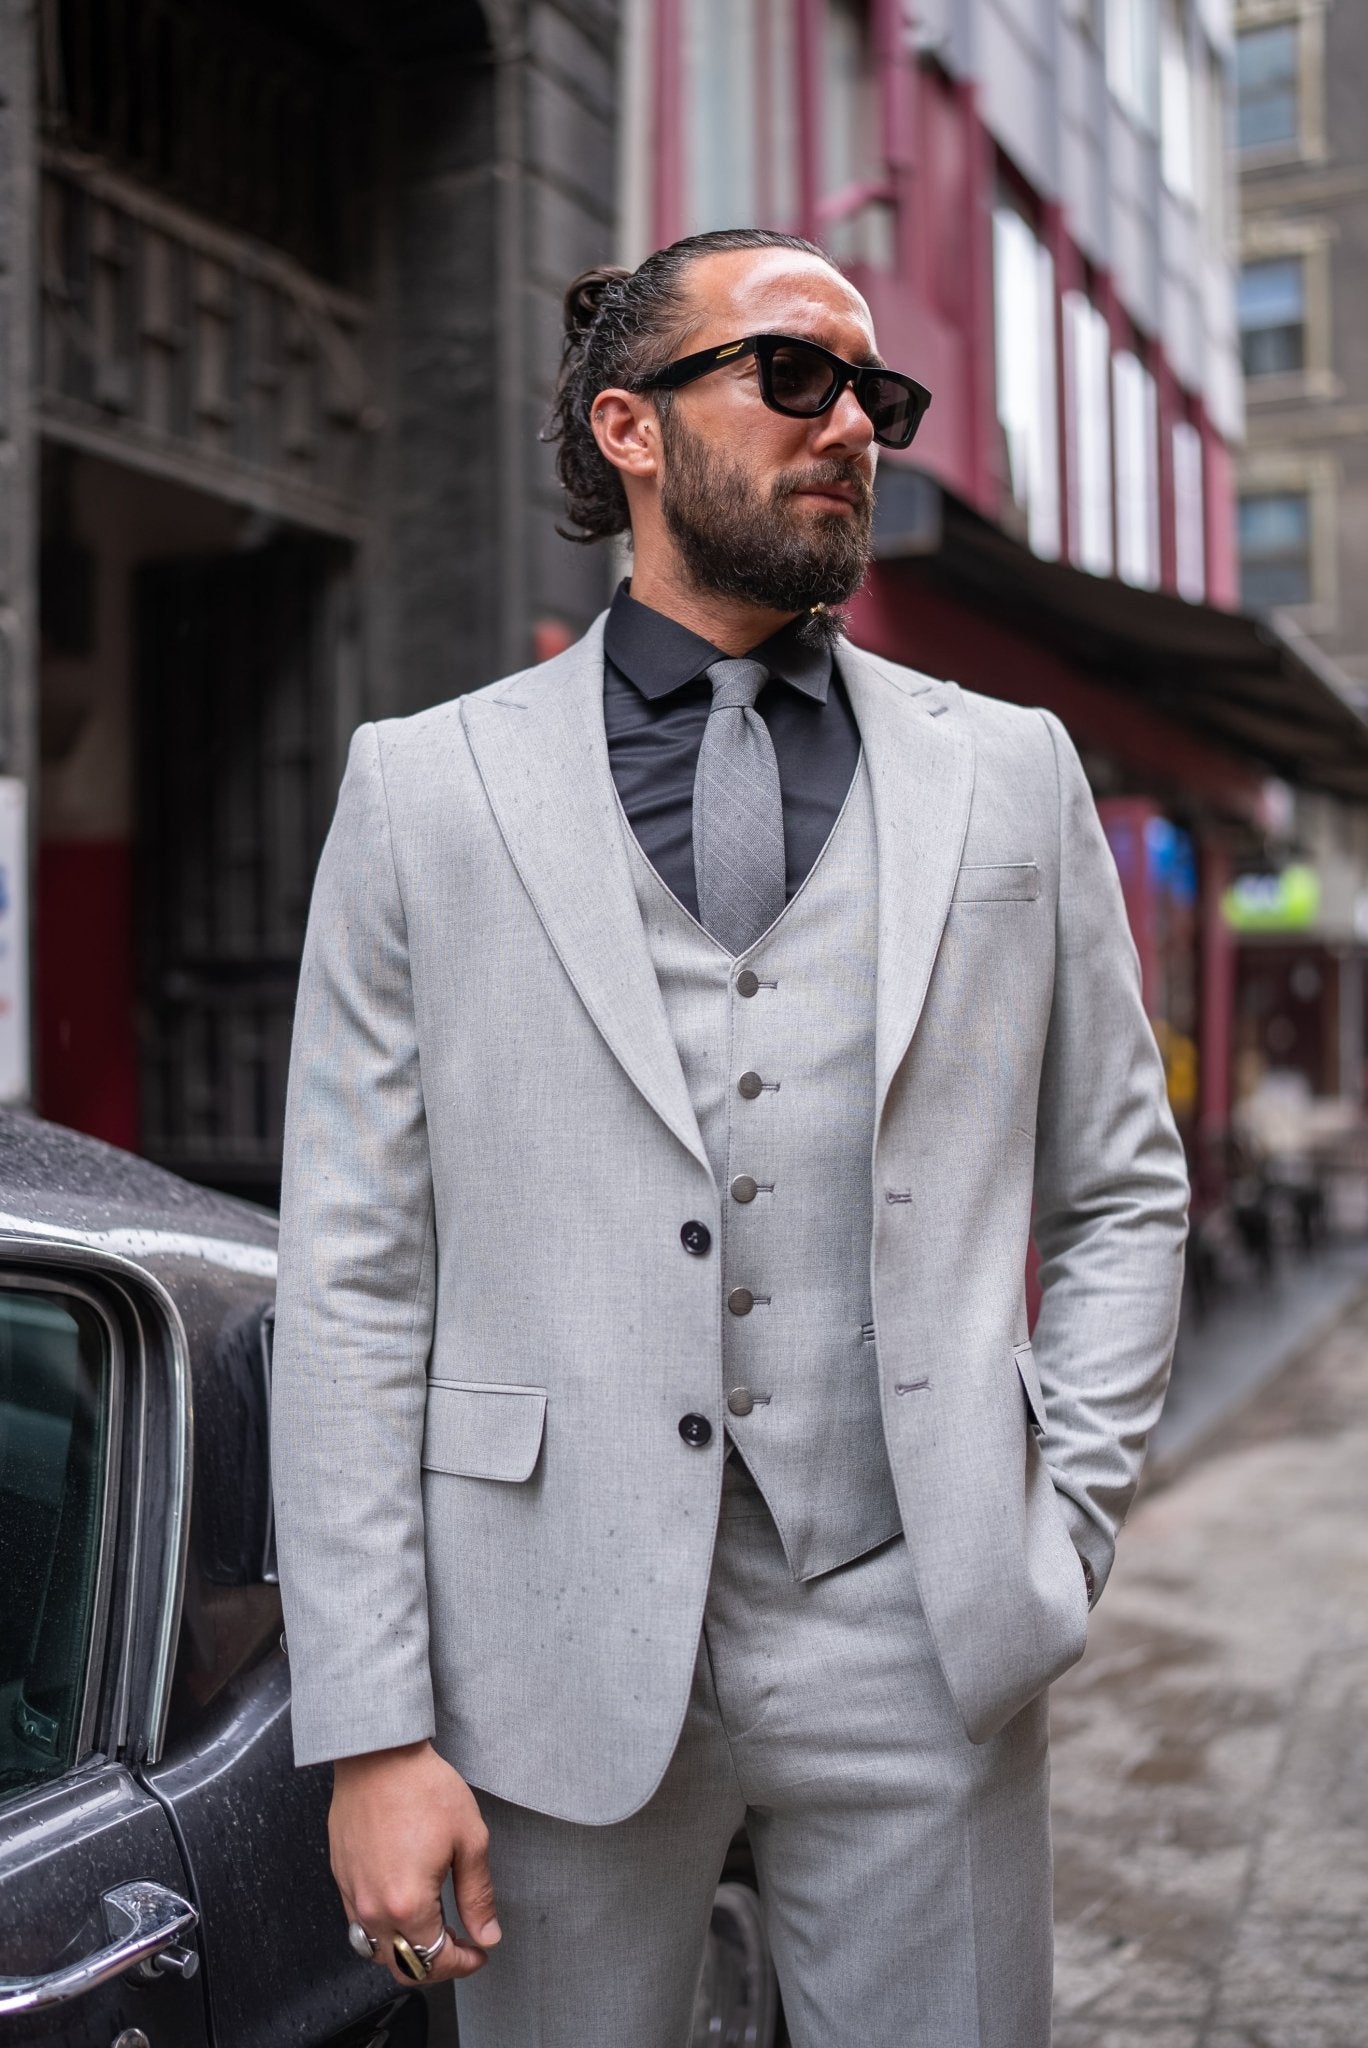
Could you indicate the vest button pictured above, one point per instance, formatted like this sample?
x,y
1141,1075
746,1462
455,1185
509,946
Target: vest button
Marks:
x,y
696,1238
749,1085
696,1431
744,1188
740,1400
747,982
740,1301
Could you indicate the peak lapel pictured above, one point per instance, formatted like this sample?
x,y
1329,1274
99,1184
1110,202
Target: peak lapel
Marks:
x,y
921,770
540,748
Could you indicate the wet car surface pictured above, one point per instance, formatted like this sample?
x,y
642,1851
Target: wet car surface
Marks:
x,y
163,1866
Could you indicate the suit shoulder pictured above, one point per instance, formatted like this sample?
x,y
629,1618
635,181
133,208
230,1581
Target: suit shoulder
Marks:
x,y
991,719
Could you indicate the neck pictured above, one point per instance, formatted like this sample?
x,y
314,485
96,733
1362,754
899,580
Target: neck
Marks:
x,y
728,622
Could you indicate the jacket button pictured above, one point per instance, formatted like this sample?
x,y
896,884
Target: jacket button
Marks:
x,y
740,1400
743,1188
696,1431
749,1085
747,982
696,1238
740,1301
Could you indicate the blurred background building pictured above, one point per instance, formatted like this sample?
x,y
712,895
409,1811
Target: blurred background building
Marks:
x,y
1301,151
278,321
279,283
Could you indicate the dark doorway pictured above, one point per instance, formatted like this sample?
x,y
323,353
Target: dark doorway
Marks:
x,y
241,664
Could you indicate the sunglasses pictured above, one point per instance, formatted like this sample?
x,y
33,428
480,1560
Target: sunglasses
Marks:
x,y
802,381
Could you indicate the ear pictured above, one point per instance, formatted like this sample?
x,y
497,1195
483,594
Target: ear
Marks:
x,y
627,430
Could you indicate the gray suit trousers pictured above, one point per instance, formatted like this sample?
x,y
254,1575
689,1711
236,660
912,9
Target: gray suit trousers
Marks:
x,y
904,1871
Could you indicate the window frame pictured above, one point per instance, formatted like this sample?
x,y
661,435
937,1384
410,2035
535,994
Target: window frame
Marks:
x,y
25,1280
1290,489
1272,144
148,1548
1290,259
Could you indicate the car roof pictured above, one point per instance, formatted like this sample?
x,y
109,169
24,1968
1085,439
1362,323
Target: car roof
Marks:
x,y
58,1182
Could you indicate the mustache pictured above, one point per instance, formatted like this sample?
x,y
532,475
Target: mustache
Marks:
x,y
820,475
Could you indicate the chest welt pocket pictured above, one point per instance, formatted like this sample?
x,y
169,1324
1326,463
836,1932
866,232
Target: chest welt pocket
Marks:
x,y
478,1430
1004,881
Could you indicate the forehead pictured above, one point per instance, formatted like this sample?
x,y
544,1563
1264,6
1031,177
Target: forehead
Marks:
x,y
776,291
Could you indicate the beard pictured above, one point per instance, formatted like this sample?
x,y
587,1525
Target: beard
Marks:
x,y
739,542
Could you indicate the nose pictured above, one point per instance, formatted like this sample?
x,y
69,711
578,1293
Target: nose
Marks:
x,y
846,430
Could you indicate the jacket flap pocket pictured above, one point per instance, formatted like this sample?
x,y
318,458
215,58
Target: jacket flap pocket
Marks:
x,y
479,1430
1008,881
1030,1381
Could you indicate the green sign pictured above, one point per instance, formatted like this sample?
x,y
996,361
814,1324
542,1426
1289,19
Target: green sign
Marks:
x,y
1287,902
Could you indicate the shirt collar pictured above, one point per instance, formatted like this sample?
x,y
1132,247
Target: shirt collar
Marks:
x,y
659,655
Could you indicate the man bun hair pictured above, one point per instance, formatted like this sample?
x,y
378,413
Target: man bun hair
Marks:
x,y
621,326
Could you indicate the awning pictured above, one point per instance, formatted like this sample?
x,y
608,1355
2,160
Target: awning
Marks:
x,y
1256,683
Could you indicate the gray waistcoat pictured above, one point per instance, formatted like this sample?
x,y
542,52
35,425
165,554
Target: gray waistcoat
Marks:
x,y
794,1164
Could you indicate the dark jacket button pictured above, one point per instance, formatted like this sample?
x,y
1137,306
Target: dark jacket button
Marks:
x,y
749,1085
696,1238
744,1189
747,982
696,1431
740,1301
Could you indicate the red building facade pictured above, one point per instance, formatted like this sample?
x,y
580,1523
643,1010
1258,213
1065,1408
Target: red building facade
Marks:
x,y
1040,235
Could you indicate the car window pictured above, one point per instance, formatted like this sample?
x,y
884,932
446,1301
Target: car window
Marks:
x,y
55,1372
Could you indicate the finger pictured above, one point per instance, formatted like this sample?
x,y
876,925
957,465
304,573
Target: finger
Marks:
x,y
474,1889
458,1959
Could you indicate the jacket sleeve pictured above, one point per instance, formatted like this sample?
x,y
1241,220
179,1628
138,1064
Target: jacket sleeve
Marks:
x,y
354,1305
1110,1192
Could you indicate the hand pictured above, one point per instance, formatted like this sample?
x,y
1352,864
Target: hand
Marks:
x,y
402,1820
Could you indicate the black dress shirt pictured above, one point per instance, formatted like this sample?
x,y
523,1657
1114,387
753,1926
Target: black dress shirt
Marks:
x,y
656,700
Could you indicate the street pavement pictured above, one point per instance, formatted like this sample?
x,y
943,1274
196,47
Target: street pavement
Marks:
x,y
1211,1750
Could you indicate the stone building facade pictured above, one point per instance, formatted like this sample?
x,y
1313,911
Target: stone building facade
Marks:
x,y
279,292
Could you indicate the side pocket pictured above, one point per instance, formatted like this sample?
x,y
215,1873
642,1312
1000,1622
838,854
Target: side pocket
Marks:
x,y
1030,1386
477,1429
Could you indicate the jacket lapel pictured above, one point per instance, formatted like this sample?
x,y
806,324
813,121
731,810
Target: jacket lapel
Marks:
x,y
540,748
921,770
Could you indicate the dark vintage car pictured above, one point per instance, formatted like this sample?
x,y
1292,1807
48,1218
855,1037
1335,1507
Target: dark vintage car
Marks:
x,y
163,1868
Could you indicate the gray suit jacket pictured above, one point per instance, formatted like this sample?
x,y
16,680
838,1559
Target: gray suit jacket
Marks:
x,y
488,1329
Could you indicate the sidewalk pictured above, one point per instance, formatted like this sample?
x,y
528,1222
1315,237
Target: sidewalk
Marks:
x,y
1211,1751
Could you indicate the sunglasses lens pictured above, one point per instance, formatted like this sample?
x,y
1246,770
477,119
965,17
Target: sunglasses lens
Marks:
x,y
800,381
893,410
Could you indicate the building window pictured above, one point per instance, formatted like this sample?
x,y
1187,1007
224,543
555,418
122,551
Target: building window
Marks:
x,y
1177,111
1133,58
1275,549
1024,329
1266,86
1087,359
1189,513
1135,404
856,218
741,114
1272,303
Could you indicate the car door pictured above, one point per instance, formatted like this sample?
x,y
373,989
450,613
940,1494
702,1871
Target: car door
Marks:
x,y
98,1937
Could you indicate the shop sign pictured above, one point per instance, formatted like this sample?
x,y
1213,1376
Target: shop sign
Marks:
x,y
14,954
1286,902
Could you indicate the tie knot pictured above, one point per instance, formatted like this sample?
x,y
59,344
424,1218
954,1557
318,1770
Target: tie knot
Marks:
x,y
736,684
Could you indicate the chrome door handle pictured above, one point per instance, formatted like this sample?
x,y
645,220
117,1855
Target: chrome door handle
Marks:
x,y
142,1919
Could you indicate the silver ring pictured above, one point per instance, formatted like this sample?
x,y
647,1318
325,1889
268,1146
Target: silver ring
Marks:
x,y
363,1944
429,1951
415,1958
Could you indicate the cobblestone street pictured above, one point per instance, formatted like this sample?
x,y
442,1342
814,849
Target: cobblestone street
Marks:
x,y
1211,1751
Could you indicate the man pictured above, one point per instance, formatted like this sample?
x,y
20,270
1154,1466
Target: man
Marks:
x,y
686,1029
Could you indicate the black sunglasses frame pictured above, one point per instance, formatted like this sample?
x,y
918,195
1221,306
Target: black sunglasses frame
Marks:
x,y
764,348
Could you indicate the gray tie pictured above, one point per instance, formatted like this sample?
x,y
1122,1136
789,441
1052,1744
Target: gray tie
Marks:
x,y
738,813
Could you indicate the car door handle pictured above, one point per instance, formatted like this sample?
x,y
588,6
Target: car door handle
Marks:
x,y
142,1920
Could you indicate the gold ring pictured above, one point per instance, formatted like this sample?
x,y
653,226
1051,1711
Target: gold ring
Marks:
x,y
416,1958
